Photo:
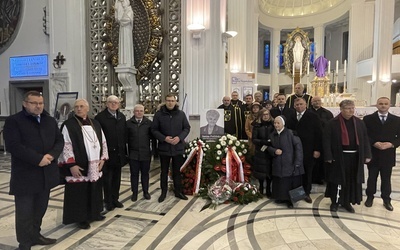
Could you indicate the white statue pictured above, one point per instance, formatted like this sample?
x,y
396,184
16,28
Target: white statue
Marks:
x,y
124,16
298,51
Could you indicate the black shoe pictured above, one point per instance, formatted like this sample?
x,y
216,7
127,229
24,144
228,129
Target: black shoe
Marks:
x,y
369,201
162,198
387,205
118,204
308,199
181,196
349,208
100,218
334,207
134,197
147,196
44,241
109,207
84,225
290,205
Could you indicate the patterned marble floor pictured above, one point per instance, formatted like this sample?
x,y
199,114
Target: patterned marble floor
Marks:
x,y
176,224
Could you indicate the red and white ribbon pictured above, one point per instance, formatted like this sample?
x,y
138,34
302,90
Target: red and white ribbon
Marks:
x,y
232,156
198,152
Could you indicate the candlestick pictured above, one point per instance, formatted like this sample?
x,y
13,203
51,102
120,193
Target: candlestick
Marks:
x,y
308,68
345,66
329,68
293,70
337,67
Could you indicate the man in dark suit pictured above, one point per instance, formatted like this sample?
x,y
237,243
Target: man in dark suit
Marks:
x,y
308,127
212,128
113,124
35,142
384,136
281,109
324,116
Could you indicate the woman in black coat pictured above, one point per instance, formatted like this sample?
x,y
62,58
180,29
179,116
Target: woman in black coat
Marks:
x,y
262,127
287,161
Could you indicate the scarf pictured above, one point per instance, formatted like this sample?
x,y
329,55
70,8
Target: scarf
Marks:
x,y
345,134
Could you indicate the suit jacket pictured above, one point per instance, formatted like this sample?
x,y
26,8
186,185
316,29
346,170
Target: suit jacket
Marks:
x,y
217,130
323,114
28,141
387,132
287,112
309,130
114,130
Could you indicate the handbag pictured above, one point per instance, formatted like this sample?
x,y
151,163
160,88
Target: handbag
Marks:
x,y
297,194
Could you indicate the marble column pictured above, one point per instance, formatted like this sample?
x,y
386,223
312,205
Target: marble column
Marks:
x,y
319,37
382,53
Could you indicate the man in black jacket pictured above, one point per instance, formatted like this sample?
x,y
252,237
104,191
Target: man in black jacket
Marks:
x,y
35,142
281,109
113,124
170,127
383,131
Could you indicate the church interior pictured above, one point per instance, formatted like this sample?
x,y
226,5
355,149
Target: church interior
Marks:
x,y
201,51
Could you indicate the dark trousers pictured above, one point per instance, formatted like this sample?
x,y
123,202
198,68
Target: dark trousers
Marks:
x,y
307,176
111,183
29,212
386,186
177,161
144,168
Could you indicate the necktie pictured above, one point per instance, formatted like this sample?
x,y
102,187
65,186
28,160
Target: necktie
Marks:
x,y
38,118
138,121
298,116
383,119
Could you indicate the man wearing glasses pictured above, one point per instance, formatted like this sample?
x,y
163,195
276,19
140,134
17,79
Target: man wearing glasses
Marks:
x,y
113,122
35,142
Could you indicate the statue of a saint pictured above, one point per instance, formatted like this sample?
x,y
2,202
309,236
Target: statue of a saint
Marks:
x,y
298,51
124,16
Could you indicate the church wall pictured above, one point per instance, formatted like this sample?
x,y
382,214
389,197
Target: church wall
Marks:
x,y
30,40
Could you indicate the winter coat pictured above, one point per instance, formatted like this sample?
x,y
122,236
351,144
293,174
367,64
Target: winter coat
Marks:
x,y
170,123
290,162
139,139
262,159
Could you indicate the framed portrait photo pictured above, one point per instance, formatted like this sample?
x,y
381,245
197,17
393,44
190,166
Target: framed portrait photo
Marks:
x,y
64,105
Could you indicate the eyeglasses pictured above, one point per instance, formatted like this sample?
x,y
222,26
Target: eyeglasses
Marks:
x,y
36,103
114,103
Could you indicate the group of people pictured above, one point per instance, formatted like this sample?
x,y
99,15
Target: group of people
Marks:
x,y
87,155
296,142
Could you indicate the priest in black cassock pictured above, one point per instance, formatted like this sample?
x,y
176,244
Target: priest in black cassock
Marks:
x,y
234,118
346,149
83,157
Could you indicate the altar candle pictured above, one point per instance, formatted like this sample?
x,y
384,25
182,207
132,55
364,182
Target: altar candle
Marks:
x,y
329,67
293,70
345,66
337,67
308,68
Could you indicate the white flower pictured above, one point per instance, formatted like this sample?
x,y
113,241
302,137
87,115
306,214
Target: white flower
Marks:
x,y
240,154
207,146
204,154
245,189
204,149
237,143
219,152
223,138
254,192
223,143
242,146
218,158
230,142
244,151
190,144
234,148
218,146
184,156
226,150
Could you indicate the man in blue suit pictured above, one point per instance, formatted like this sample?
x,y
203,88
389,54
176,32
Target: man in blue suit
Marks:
x,y
35,142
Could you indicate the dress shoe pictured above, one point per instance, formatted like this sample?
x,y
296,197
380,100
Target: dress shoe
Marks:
x,y
387,205
147,196
84,225
369,201
162,198
334,207
118,204
134,197
181,196
290,205
308,199
349,208
100,218
44,241
109,207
